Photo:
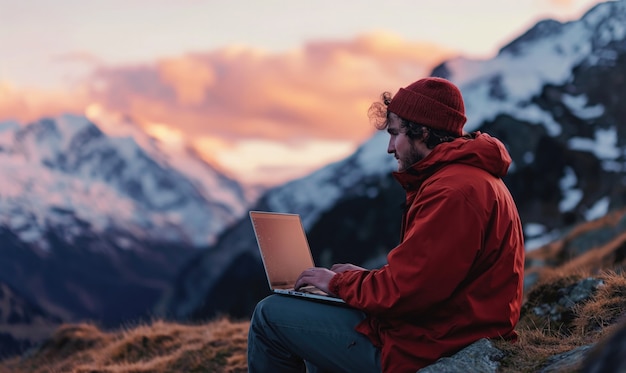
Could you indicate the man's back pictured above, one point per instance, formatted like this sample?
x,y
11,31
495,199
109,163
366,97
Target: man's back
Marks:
x,y
457,275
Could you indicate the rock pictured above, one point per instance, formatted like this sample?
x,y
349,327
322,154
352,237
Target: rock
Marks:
x,y
479,357
608,355
559,306
566,362
579,292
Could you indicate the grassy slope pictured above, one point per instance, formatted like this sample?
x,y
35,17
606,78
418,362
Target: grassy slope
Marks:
x,y
218,346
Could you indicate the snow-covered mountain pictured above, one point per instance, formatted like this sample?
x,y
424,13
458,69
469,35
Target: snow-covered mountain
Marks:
x,y
68,165
555,96
95,219
568,80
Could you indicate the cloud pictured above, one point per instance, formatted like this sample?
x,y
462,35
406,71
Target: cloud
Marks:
x,y
190,88
322,90
275,161
28,104
307,105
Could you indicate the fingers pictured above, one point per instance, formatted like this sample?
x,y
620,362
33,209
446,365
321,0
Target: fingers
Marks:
x,y
303,279
318,277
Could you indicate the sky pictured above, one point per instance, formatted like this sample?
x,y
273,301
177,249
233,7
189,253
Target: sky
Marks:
x,y
265,90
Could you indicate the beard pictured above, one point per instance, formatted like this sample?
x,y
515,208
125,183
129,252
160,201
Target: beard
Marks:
x,y
405,162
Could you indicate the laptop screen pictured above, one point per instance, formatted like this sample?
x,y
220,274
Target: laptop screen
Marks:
x,y
283,246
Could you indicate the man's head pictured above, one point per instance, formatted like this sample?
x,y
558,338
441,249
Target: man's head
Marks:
x,y
419,117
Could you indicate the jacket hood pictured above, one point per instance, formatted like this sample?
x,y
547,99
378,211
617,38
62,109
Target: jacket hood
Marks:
x,y
480,150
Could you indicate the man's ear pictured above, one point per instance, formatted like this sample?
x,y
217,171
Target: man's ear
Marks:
x,y
425,134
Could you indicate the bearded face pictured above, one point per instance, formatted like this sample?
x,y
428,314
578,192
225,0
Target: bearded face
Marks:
x,y
403,148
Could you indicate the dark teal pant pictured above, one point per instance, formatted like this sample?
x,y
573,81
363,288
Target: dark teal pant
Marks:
x,y
285,332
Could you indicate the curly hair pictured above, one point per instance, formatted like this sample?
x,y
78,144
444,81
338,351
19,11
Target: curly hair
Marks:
x,y
379,116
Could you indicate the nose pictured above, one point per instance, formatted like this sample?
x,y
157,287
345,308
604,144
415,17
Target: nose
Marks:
x,y
391,147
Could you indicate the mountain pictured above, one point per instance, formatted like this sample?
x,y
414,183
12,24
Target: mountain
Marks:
x,y
95,224
22,323
554,96
69,164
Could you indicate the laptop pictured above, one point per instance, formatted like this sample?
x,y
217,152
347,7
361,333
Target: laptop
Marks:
x,y
285,253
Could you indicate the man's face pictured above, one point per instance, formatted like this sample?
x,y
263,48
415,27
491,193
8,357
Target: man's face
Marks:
x,y
402,147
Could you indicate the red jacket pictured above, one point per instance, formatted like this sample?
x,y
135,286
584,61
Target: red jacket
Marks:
x,y
457,274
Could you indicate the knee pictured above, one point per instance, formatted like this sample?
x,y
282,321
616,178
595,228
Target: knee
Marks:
x,y
264,308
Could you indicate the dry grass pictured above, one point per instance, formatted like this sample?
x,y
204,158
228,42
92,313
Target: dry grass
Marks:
x,y
218,346
541,337
608,253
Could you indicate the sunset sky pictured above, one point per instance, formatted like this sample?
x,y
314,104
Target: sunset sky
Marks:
x,y
268,90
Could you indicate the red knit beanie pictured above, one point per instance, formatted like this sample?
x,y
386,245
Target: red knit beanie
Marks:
x,y
433,102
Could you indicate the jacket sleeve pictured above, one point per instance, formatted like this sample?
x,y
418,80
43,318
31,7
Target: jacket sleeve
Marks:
x,y
444,234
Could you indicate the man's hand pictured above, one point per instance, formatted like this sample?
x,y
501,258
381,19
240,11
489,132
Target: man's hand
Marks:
x,y
318,277
338,268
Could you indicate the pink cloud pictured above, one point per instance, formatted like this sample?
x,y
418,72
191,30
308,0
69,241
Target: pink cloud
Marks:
x,y
26,105
221,97
322,90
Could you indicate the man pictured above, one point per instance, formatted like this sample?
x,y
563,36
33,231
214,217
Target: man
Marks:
x,y
455,277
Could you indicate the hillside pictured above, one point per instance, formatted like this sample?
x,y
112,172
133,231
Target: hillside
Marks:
x,y
573,301
156,347
22,323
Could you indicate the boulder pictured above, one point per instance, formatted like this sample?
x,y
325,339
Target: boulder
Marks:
x,y
479,357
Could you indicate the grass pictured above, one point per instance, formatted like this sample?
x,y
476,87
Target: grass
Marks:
x,y
541,337
218,346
